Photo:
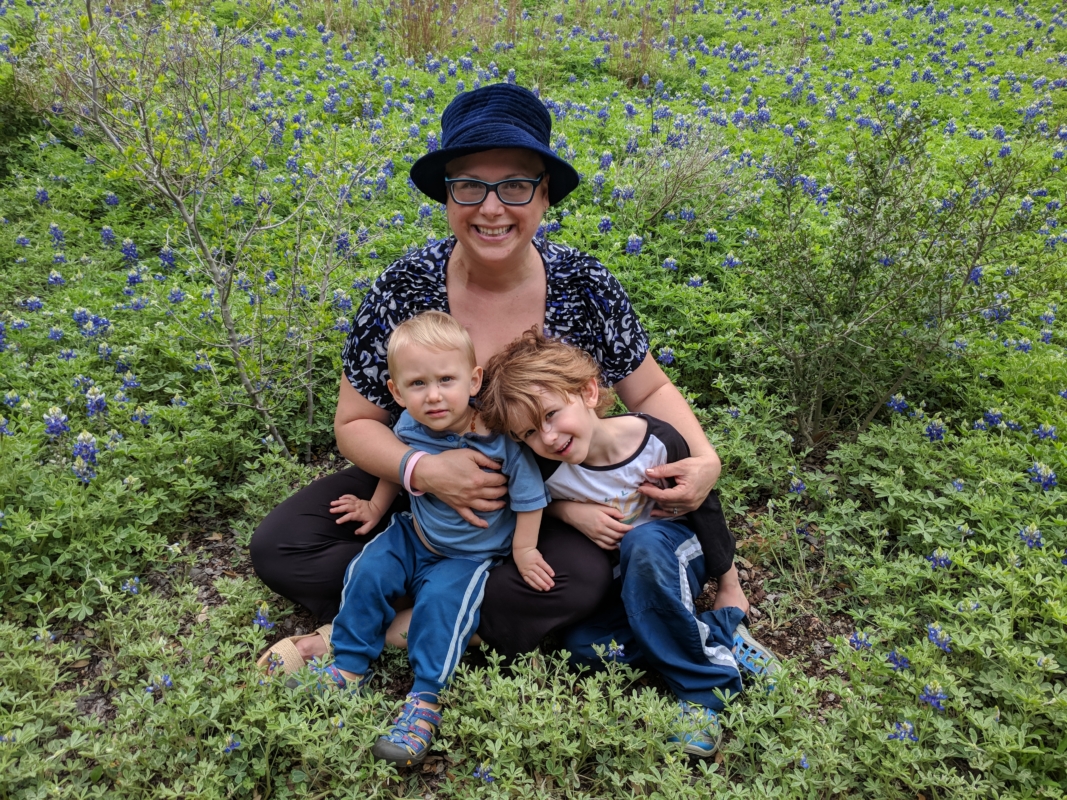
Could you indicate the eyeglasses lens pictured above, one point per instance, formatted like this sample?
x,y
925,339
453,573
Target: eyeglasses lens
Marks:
x,y
512,192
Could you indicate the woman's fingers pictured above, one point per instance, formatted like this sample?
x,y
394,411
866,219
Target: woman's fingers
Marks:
x,y
470,516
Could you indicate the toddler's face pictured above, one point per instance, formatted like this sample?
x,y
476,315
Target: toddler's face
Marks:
x,y
566,429
435,386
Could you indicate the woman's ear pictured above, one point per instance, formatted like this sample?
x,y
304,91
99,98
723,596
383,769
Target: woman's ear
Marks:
x,y
591,394
476,381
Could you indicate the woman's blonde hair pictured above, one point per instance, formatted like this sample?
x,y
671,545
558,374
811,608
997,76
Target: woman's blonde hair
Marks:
x,y
433,329
510,401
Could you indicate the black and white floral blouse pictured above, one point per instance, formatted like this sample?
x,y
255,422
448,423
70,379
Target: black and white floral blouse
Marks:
x,y
585,305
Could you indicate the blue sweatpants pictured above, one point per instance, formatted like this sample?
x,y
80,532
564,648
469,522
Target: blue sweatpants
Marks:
x,y
651,614
447,593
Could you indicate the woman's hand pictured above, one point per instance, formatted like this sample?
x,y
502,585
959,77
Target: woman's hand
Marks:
x,y
694,479
600,524
456,477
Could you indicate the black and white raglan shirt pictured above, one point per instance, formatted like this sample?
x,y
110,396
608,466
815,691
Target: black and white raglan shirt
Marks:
x,y
616,485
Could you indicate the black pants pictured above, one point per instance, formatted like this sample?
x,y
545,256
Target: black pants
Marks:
x,y
301,553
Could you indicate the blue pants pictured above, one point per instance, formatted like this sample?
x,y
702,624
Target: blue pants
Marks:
x,y
447,594
651,614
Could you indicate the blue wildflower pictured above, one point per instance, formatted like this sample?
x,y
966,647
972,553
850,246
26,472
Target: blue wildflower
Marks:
x,y
1045,431
132,586
42,196
957,485
260,620
634,244
56,279
55,334
4,431
57,235
904,731
730,260
897,661
22,241
939,559
483,771
615,651
129,251
1031,537
860,641
670,264
605,224
55,422
695,281
796,486
711,235
107,236
804,762
933,695
897,403
232,743
666,355
935,431
938,636
1042,474
140,415
111,199
176,296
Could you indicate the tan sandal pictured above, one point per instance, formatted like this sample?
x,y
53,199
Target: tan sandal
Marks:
x,y
283,655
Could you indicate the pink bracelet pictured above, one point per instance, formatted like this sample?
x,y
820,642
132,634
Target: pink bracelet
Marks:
x,y
410,469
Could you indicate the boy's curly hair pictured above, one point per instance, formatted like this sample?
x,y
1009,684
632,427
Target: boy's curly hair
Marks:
x,y
509,401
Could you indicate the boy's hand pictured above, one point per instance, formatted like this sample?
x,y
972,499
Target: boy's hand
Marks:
x,y
356,510
534,569
601,524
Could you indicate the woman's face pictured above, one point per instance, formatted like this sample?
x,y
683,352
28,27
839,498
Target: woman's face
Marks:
x,y
492,233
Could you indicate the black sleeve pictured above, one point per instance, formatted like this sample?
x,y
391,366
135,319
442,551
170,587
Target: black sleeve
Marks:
x,y
708,521
546,465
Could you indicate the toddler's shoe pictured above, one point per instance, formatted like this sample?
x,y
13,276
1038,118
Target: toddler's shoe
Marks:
x,y
699,729
752,655
407,744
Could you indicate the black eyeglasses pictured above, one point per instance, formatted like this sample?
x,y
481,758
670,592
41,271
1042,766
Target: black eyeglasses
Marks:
x,y
512,192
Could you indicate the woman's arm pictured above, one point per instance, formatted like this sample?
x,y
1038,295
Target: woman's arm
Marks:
x,y
648,390
456,477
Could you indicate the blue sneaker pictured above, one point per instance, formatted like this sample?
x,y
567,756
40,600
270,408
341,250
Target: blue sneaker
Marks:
x,y
699,729
752,655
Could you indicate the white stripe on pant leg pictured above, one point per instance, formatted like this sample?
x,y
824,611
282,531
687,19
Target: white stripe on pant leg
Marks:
x,y
454,645
465,634
717,654
359,555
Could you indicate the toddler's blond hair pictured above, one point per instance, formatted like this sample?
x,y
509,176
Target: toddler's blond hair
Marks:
x,y
510,403
435,330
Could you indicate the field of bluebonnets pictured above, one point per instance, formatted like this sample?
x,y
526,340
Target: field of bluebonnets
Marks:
x,y
841,223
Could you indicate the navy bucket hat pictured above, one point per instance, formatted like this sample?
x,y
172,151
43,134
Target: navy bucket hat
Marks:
x,y
500,115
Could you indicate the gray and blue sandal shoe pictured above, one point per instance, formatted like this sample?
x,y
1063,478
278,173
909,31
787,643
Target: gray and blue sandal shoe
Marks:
x,y
407,744
752,655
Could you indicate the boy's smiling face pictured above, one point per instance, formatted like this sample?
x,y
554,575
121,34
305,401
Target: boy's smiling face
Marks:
x,y
566,427
435,386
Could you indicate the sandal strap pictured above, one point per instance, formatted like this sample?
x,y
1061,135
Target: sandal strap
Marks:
x,y
406,732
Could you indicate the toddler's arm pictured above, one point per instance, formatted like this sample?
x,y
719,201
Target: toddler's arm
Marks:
x,y
600,524
533,568
369,512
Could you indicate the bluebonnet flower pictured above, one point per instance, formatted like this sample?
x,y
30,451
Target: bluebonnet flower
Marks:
x,y
11,399
1063,393
95,402
615,651
605,224
957,485
4,431
107,236
484,771
55,422
797,486
32,303
111,199
85,447
178,401
904,731
1045,431
1031,537
897,403
939,559
671,264
897,661
261,620
55,334
1024,345
42,195
129,251
56,279
860,641
803,763
1042,474
140,415
22,241
933,695
129,381
343,325
1046,336
176,296
634,244
734,412
59,258
67,355
134,277
132,586
974,276
695,281
935,431
711,235
232,743
666,355
605,160
56,233
730,260
993,417
166,257
938,637
341,300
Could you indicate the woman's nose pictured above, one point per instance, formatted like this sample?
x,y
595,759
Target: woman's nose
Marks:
x,y
491,205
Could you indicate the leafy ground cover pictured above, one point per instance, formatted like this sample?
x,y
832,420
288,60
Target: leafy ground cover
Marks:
x,y
841,225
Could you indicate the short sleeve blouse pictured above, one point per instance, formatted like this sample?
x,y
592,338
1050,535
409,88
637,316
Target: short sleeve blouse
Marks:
x,y
585,305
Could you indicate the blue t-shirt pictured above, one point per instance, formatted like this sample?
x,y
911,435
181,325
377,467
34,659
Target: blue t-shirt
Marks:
x,y
446,531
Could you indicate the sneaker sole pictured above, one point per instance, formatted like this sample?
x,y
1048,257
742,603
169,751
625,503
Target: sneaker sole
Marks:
x,y
768,662
394,754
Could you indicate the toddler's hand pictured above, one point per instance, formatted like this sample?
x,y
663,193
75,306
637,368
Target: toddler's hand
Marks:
x,y
356,510
534,569
600,524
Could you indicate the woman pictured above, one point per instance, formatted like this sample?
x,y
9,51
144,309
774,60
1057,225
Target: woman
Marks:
x,y
497,176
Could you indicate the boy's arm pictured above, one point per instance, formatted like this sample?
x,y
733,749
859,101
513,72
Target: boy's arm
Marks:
x,y
383,496
532,566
